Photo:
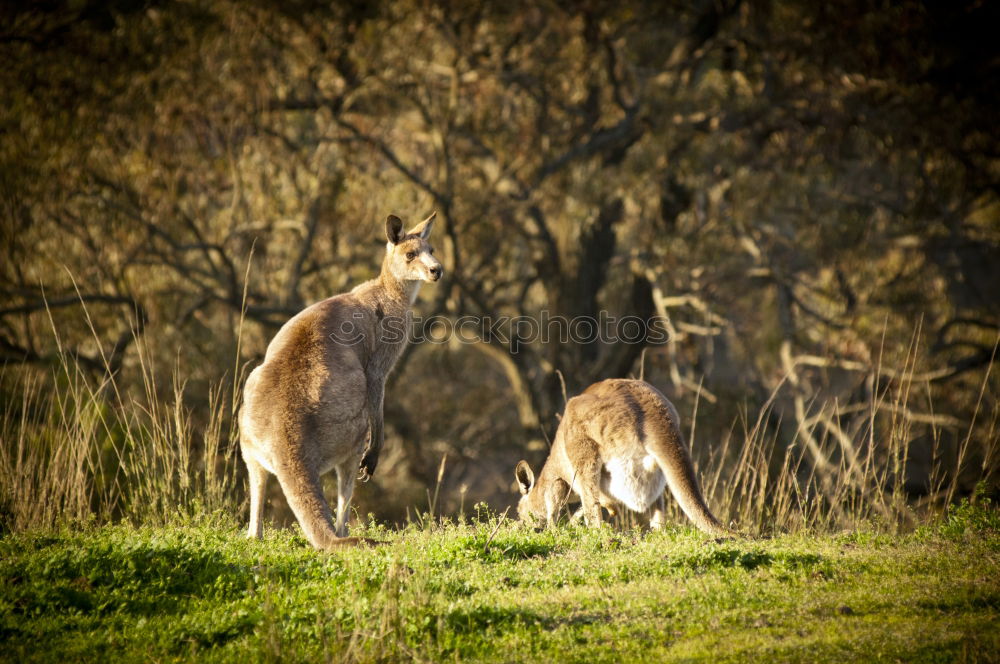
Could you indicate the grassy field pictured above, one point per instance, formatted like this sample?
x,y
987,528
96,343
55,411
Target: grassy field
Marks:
x,y
492,590
120,540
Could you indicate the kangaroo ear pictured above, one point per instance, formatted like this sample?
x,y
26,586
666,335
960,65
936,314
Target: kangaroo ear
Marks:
x,y
393,229
423,229
525,478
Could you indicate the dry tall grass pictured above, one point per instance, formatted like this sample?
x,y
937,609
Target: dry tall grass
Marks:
x,y
847,463
83,450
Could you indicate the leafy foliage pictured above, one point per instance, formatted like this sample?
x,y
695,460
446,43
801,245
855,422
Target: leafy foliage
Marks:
x,y
972,519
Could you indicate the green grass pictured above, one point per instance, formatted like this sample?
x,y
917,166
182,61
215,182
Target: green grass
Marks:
x,y
501,592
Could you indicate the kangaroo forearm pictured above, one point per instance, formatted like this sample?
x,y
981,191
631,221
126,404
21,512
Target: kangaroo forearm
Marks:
x,y
376,438
376,435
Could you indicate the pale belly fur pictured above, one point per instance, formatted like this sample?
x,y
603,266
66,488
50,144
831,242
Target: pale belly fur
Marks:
x,y
634,481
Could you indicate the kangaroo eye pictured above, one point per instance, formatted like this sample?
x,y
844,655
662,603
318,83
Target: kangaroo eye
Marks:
x,y
410,255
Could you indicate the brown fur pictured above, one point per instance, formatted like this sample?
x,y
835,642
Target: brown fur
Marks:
x,y
618,444
315,402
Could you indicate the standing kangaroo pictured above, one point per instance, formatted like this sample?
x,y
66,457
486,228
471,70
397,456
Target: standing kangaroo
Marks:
x,y
317,398
618,443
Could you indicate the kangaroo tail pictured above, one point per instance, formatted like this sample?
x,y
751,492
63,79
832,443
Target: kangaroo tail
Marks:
x,y
674,460
304,494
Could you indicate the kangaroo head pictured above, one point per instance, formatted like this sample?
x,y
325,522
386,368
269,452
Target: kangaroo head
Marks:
x,y
409,256
531,506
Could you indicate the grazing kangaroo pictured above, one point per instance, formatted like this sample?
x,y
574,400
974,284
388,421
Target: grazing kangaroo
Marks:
x,y
317,398
619,443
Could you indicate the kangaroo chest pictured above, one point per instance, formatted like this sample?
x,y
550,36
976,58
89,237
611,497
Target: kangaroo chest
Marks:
x,y
389,336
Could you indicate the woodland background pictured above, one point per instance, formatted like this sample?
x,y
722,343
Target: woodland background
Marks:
x,y
809,191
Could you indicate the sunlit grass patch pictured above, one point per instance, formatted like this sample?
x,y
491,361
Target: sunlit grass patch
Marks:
x,y
498,591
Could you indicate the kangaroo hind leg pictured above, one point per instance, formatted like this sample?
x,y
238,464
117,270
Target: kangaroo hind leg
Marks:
x,y
345,491
257,476
304,493
586,463
659,517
